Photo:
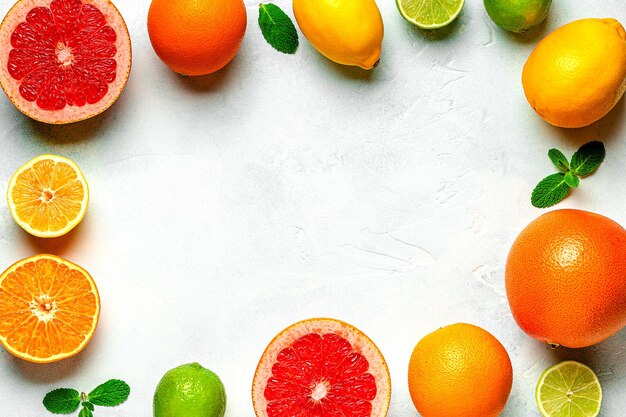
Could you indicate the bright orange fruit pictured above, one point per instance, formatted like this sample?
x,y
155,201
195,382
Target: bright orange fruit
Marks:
x,y
49,309
48,196
460,371
196,37
566,278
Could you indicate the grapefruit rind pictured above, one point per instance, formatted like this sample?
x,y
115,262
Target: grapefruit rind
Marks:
x,y
50,233
360,342
96,316
70,114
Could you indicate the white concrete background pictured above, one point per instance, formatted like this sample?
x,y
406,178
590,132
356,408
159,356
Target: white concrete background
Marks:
x,y
286,187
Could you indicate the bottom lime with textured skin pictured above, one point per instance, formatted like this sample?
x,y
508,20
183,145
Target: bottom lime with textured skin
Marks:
x,y
517,15
569,389
190,391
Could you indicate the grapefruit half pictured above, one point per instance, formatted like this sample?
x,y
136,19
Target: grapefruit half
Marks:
x,y
321,367
63,61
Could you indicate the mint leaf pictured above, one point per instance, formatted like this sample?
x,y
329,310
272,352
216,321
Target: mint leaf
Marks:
x,y
559,160
550,191
278,29
571,179
85,412
88,405
588,158
62,401
110,394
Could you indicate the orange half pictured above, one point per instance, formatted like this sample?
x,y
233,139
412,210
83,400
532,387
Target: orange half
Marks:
x,y
49,309
48,196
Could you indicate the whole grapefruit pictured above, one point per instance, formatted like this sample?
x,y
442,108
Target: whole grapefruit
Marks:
x,y
196,37
566,278
63,61
460,370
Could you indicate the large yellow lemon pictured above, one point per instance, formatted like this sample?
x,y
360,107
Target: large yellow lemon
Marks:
x,y
577,74
349,32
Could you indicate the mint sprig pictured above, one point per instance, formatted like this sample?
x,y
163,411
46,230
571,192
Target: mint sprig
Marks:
x,y
66,401
110,394
554,188
62,401
278,29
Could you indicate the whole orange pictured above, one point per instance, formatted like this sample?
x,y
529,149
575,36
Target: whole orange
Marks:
x,y
577,73
196,37
566,278
460,371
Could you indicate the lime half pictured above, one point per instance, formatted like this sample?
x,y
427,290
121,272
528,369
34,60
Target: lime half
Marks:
x,y
430,14
569,389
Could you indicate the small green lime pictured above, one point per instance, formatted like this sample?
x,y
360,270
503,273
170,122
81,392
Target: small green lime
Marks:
x,y
569,389
430,14
517,15
190,391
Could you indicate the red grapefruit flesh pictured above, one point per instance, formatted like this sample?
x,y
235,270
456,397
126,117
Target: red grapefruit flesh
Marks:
x,y
62,61
321,368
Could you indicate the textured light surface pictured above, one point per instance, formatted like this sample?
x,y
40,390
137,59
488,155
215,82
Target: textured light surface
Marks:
x,y
286,187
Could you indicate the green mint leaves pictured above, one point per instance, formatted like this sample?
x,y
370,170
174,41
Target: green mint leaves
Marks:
x,y
278,29
588,158
66,401
110,394
554,188
62,401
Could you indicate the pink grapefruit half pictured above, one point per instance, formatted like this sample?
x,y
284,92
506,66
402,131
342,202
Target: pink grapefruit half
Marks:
x,y
62,61
321,367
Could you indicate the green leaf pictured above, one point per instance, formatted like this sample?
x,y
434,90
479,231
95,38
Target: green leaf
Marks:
x,y
559,160
588,158
88,405
110,394
85,412
571,179
550,191
62,401
278,29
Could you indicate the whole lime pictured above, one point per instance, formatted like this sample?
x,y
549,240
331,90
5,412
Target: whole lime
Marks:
x,y
517,15
190,391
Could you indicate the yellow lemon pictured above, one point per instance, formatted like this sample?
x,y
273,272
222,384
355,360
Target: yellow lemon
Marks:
x,y
577,73
349,32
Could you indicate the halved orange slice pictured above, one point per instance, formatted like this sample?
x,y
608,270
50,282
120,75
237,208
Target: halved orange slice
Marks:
x,y
49,309
48,196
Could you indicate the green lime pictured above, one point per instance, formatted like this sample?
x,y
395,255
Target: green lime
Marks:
x,y
569,389
430,14
517,15
190,391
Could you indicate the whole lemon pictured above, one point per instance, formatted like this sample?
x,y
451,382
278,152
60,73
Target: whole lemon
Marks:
x,y
577,73
460,371
196,37
349,32
190,391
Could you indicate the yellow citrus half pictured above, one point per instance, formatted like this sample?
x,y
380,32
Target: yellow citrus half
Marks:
x,y
48,196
